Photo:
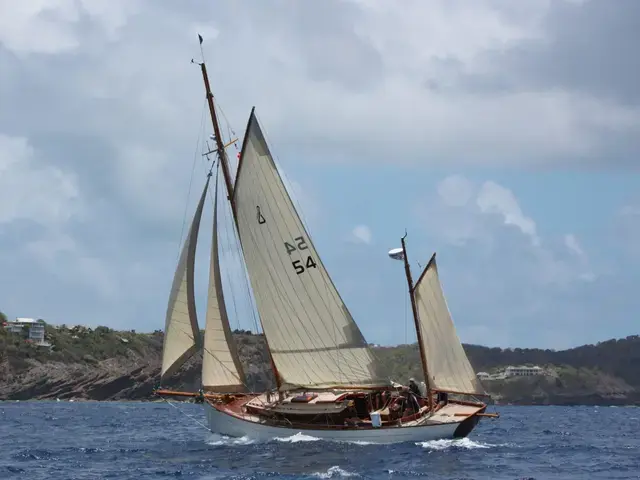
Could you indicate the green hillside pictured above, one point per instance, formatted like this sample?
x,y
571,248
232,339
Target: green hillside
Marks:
x,y
102,364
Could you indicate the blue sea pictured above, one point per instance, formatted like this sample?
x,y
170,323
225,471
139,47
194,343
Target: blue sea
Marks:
x,y
95,440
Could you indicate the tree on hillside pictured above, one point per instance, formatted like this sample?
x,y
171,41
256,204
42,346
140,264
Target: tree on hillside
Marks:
x,y
3,317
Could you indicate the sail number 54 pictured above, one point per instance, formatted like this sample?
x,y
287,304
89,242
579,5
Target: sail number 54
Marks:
x,y
299,243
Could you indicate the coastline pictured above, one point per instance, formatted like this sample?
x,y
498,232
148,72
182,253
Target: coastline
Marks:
x,y
102,364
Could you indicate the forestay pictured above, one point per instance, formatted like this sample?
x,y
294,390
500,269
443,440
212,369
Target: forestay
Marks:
x,y
221,369
181,332
449,367
313,339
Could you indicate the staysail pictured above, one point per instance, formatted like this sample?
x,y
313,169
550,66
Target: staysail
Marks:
x,y
314,341
181,332
449,367
221,369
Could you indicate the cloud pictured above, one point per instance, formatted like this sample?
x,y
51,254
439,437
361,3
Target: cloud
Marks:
x,y
498,271
496,199
67,261
58,23
486,221
456,190
31,191
103,120
572,244
361,234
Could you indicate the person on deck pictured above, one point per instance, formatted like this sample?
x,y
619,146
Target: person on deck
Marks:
x,y
442,398
413,394
413,387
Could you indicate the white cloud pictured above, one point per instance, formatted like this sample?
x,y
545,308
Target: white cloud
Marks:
x,y
40,26
49,197
43,194
573,245
496,199
464,213
119,112
53,26
499,273
456,190
361,234
65,260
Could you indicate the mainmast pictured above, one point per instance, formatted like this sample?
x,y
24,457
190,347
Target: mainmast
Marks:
x,y
226,171
220,147
416,320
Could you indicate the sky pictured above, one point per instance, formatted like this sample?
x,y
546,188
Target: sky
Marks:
x,y
502,135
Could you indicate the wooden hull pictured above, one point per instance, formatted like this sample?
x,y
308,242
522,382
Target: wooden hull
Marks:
x,y
225,422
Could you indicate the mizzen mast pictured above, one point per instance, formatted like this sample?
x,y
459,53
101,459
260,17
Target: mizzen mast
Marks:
x,y
416,319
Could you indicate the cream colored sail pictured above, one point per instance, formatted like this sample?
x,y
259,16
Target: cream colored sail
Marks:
x,y
449,367
221,369
181,332
313,340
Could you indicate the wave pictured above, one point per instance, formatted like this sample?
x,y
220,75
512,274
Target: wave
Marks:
x,y
335,472
464,443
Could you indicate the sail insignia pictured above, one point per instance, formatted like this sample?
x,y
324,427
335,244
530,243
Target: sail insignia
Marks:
x,y
313,340
261,219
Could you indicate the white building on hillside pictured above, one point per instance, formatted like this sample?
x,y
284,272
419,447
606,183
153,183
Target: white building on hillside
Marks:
x,y
522,371
29,327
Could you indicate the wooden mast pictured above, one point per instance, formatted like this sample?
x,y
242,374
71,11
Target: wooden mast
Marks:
x,y
222,156
224,161
416,319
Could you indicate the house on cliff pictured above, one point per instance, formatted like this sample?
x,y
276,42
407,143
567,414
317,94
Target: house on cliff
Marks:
x,y
31,329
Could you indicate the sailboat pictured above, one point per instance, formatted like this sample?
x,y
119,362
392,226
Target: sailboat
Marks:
x,y
329,382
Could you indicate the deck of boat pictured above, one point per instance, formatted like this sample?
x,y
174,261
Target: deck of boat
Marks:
x,y
452,412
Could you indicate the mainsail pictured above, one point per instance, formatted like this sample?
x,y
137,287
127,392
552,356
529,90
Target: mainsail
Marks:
x,y
181,332
313,340
221,369
449,367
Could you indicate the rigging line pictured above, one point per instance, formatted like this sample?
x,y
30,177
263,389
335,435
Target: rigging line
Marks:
x,y
406,316
325,280
213,355
193,168
245,384
276,283
251,301
187,415
298,205
287,301
228,224
297,210
226,270
229,277
291,209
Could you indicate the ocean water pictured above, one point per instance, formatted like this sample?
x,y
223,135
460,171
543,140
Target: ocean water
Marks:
x,y
95,440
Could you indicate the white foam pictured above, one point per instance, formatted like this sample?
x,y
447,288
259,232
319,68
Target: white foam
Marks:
x,y
217,440
298,437
459,443
335,472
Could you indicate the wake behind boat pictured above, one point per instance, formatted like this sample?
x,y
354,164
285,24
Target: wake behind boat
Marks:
x,y
329,383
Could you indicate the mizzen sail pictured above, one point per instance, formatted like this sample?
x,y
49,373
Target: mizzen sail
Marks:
x,y
314,341
449,367
181,332
221,368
